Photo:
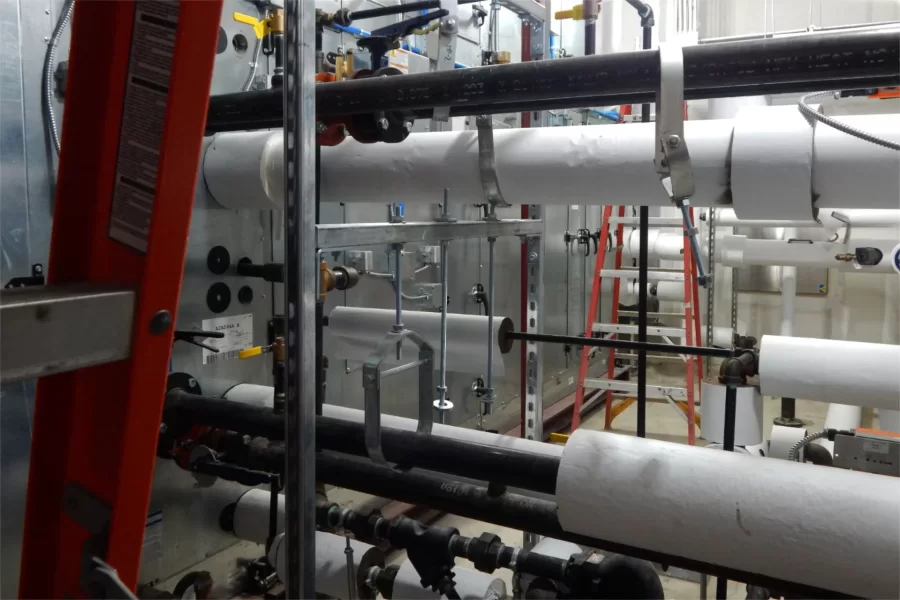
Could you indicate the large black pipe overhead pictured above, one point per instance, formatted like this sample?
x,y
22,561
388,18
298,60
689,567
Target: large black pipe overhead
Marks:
x,y
853,59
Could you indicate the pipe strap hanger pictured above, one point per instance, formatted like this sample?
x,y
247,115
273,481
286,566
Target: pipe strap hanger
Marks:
x,y
672,158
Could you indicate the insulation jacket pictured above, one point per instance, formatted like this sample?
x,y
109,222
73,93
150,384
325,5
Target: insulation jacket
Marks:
x,y
725,217
533,165
738,250
857,373
763,516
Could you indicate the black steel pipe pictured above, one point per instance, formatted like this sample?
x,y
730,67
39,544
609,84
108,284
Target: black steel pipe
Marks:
x,y
515,468
858,59
481,462
384,11
618,344
643,252
510,510
730,416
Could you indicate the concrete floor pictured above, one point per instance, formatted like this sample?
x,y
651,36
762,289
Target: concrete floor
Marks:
x,y
663,423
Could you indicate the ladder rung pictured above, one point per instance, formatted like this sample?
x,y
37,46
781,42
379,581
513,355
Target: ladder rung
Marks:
x,y
53,329
634,313
650,356
651,275
653,221
633,329
631,387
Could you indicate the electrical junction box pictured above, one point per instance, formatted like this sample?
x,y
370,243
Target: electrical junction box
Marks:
x,y
870,451
361,260
434,291
430,255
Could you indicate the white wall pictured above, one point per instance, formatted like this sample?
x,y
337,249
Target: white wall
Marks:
x,y
739,17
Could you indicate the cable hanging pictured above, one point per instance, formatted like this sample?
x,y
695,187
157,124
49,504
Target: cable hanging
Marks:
x,y
810,112
47,80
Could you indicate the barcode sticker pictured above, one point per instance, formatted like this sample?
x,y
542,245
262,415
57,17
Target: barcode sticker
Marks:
x,y
238,336
143,119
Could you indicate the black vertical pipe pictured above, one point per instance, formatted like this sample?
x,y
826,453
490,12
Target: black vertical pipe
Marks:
x,y
788,409
728,446
730,415
642,283
590,38
320,304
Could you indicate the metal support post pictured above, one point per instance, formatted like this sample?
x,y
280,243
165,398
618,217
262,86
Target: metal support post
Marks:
x,y
643,251
299,287
489,396
398,295
534,376
442,404
446,55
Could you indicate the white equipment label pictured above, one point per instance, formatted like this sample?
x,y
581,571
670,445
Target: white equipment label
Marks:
x,y
238,336
877,446
143,119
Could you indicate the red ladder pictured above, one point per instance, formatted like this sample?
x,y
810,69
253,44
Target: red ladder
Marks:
x,y
693,366
130,154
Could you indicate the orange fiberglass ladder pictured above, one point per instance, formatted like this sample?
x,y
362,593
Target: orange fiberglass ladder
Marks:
x,y
691,332
135,112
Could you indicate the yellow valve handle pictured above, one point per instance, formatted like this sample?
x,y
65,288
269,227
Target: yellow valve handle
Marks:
x,y
260,28
250,352
576,13
559,438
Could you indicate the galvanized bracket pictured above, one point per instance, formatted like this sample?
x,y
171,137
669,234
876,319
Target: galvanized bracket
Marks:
x,y
846,221
487,165
372,376
98,579
672,160
446,57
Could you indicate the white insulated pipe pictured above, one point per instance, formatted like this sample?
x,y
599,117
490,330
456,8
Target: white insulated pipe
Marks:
x,y
666,246
332,578
842,372
858,217
251,516
738,250
830,528
669,291
547,165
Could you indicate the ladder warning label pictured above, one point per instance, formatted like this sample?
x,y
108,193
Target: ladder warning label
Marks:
x,y
143,118
238,336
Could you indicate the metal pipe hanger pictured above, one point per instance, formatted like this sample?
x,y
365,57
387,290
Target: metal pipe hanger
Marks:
x,y
859,59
